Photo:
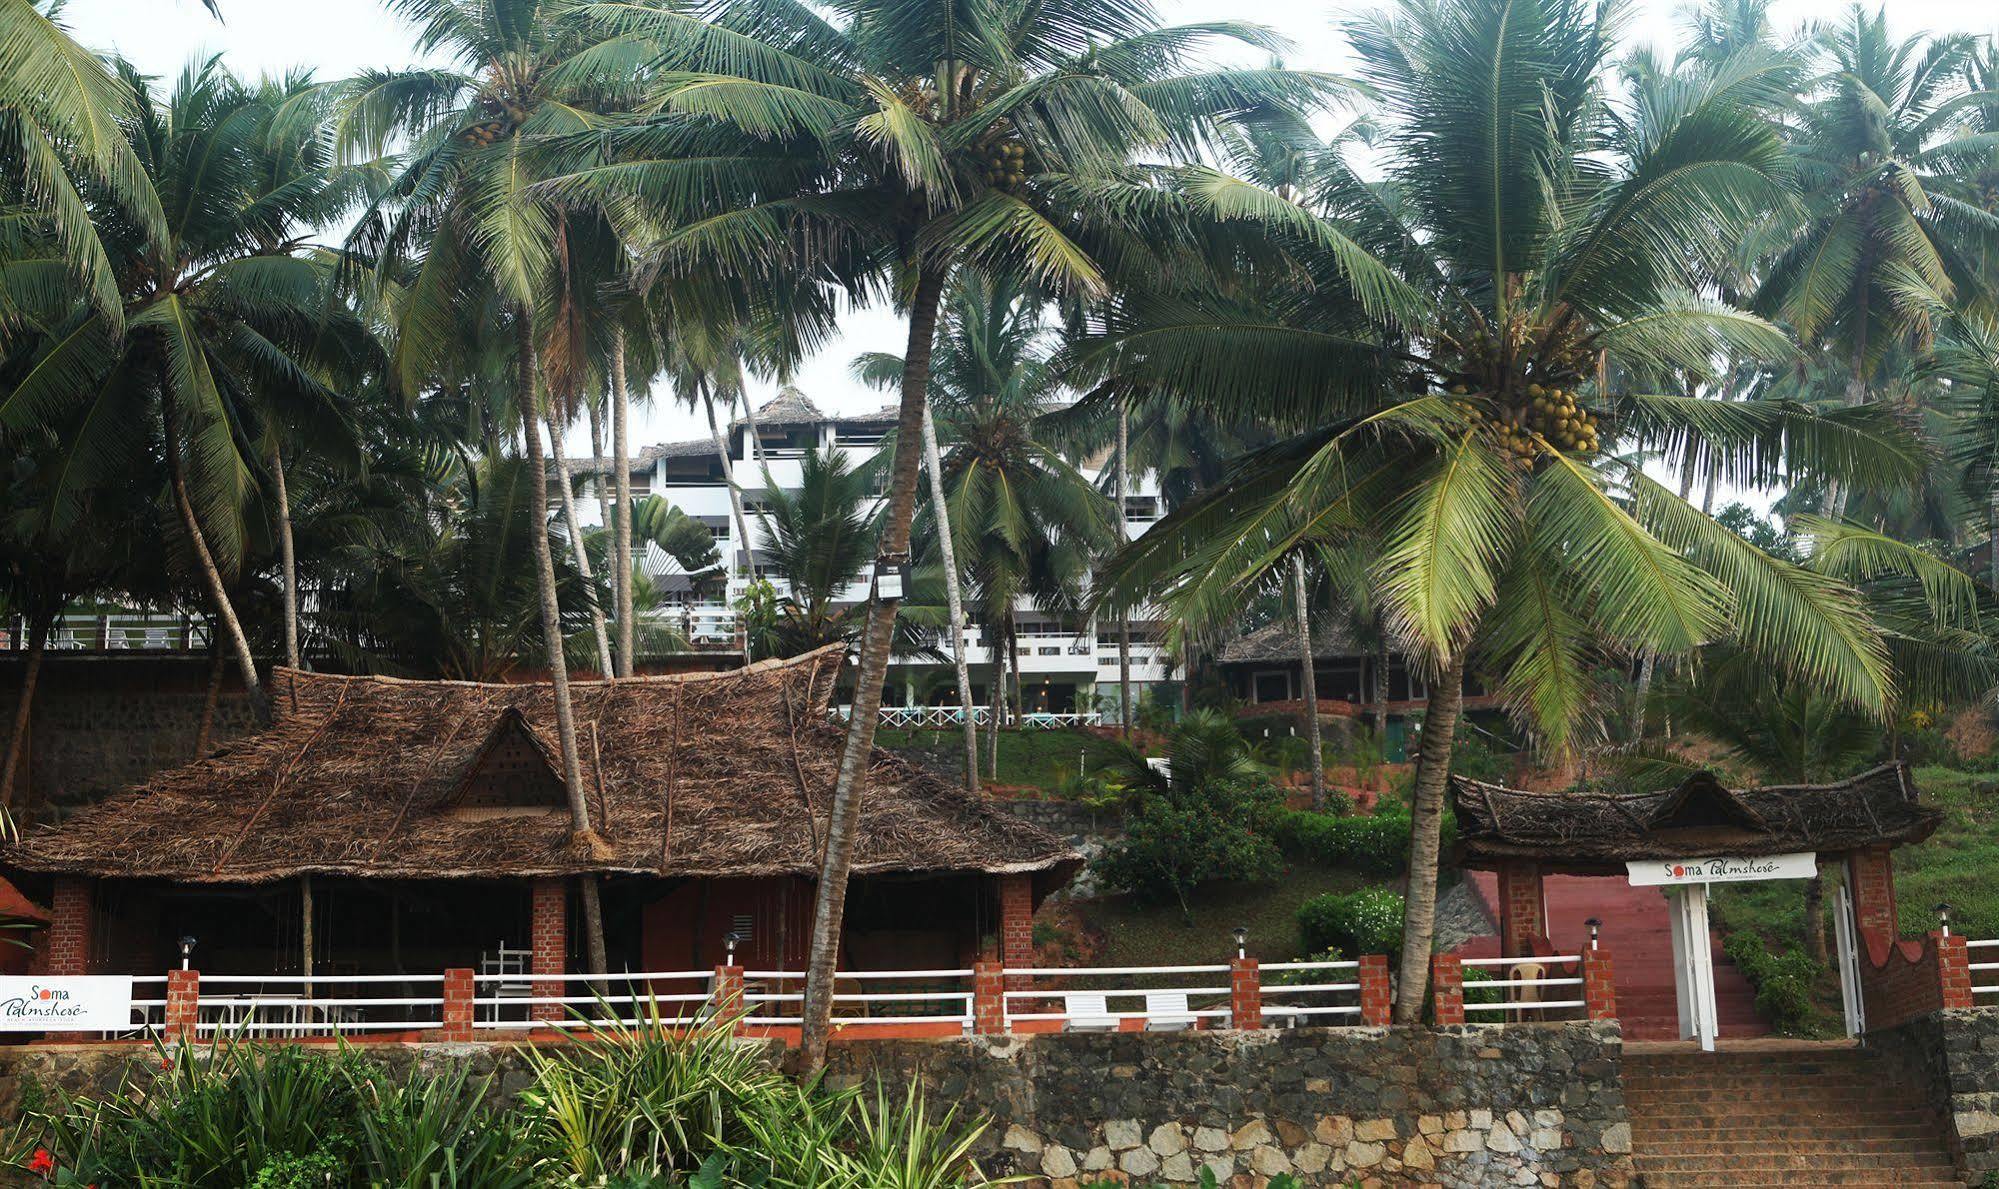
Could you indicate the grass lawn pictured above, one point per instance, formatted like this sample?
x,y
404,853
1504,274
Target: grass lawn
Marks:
x,y
1959,863
1154,935
1037,759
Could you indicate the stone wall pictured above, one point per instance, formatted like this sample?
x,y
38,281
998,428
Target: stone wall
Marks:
x,y
1473,1106
1955,1054
103,722
1478,1106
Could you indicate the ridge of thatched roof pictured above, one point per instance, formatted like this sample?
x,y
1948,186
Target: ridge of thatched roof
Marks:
x,y
1277,643
692,774
1698,818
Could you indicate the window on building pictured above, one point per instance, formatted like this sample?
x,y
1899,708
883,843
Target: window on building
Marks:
x,y
1272,687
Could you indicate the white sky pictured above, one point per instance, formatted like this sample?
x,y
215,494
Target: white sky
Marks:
x,y
337,37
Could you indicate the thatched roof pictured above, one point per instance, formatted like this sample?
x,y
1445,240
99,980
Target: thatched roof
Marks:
x,y
1277,643
697,774
1699,818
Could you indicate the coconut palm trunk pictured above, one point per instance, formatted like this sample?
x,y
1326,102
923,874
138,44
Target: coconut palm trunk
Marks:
x,y
621,528
1303,620
287,556
1382,660
746,554
850,787
212,698
574,530
204,560
582,837
1123,536
24,705
954,596
996,710
1426,825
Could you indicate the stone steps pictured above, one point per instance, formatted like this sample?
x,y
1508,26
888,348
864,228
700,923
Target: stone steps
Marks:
x,y
1805,1116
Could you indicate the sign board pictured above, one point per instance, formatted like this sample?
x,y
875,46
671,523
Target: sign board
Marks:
x,y
1655,873
79,1003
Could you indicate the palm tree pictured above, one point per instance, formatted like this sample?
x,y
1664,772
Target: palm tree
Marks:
x,y
462,217
1545,248
880,149
1886,236
225,314
821,538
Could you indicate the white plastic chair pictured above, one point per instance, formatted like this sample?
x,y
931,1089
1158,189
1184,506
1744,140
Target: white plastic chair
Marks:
x,y
1167,1011
510,964
1088,1011
1526,998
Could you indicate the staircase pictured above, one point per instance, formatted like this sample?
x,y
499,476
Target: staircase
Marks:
x,y
1777,1113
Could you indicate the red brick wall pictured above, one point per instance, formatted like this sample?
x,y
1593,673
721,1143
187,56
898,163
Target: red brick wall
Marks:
x,y
1915,979
459,990
183,1009
1377,1001
1523,913
1599,985
551,943
72,927
1447,990
988,1000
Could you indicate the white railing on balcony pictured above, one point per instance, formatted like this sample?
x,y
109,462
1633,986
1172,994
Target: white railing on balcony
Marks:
x,y
1526,997
1101,998
123,631
503,1002
937,717
278,1006
1984,975
873,998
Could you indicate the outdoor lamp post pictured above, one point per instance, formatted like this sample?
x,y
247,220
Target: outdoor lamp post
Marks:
x,y
1943,917
1241,934
729,944
1595,926
186,951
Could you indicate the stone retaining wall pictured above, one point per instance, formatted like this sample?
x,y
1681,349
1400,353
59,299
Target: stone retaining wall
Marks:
x,y
1478,1106
1472,1106
1956,1054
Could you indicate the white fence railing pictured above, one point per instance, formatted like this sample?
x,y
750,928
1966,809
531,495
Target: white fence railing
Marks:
x,y
940,717
1988,984
875,998
1325,986
278,1006
509,1001
1525,994
1095,1008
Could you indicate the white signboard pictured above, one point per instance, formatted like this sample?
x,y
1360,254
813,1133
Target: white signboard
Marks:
x,y
78,1003
1654,873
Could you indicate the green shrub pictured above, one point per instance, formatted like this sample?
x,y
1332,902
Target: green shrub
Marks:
x,y
1783,983
1473,976
1175,842
1365,922
1373,845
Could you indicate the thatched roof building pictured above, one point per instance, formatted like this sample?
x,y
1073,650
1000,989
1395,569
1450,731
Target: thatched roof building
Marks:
x,y
1701,817
690,775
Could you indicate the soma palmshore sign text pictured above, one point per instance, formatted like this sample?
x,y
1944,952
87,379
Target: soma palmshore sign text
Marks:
x,y
79,1003
1652,873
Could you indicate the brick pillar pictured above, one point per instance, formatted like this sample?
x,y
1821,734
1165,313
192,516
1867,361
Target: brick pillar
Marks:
x,y
1599,985
727,996
988,998
1378,1002
551,946
1245,994
1523,913
1953,969
72,926
1016,896
1447,990
459,991
183,1009
1870,875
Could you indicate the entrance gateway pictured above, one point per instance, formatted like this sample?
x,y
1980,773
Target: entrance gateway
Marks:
x,y
1686,883
1683,840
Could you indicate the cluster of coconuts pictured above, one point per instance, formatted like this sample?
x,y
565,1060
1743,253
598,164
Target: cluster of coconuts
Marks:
x,y
486,133
1006,165
1548,412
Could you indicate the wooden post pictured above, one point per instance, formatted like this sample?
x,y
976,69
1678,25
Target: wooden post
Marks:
x,y
1447,990
1245,994
305,931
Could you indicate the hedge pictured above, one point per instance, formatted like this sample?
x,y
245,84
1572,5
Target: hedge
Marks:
x,y
1373,845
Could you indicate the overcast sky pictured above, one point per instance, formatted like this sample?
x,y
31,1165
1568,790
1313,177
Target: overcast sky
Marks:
x,y
337,37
